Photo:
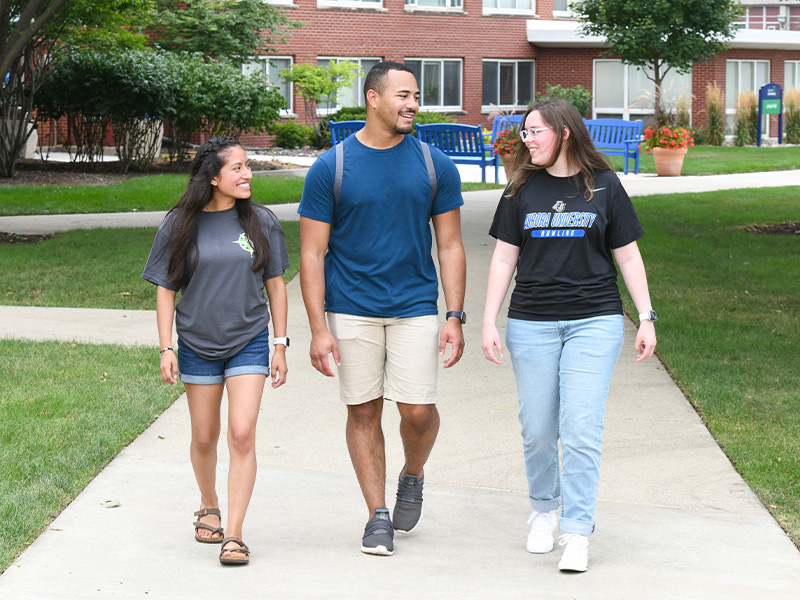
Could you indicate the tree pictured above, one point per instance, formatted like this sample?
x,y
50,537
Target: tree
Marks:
x,y
319,85
30,34
660,35
219,28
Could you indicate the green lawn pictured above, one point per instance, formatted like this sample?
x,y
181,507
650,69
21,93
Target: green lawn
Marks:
x,y
98,268
713,160
67,410
145,193
729,327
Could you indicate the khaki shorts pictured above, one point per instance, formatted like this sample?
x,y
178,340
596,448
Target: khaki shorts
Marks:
x,y
393,358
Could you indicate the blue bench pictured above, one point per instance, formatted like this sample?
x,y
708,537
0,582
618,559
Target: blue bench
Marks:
x,y
462,143
617,137
342,129
501,123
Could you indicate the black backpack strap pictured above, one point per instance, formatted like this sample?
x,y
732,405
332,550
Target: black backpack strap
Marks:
x,y
337,181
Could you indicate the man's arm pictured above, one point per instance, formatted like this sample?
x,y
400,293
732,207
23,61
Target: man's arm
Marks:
x,y
314,237
453,271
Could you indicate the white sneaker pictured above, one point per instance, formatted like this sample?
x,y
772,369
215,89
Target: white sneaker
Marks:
x,y
576,553
540,539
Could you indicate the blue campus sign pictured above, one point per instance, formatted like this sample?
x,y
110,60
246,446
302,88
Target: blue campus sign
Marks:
x,y
770,102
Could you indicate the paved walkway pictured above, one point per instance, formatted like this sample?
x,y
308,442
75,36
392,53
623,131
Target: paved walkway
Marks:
x,y
674,519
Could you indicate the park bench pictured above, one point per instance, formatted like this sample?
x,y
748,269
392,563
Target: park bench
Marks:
x,y
617,137
342,129
462,143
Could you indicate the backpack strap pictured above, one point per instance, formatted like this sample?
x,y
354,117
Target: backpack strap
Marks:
x,y
337,181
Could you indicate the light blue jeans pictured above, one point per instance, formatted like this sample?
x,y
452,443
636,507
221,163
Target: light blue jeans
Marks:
x,y
563,370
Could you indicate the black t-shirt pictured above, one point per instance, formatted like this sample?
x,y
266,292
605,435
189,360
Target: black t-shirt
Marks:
x,y
566,269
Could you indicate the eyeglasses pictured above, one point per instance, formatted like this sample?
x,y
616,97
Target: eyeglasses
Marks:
x,y
532,133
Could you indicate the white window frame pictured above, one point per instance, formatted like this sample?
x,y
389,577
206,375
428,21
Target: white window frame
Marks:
x,y
521,104
421,84
793,65
629,111
563,14
328,110
359,4
450,6
265,58
730,111
281,2
493,10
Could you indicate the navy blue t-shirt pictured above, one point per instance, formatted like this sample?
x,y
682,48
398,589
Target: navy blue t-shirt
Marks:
x,y
379,261
566,268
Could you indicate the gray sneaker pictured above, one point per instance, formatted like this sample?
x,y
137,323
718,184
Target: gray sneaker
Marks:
x,y
408,509
378,534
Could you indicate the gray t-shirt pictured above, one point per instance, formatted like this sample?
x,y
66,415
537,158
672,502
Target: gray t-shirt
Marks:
x,y
223,307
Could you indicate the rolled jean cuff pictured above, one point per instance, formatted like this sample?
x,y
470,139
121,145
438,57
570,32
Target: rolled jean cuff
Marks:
x,y
573,526
544,505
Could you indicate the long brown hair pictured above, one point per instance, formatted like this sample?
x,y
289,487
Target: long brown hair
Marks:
x,y
578,147
210,158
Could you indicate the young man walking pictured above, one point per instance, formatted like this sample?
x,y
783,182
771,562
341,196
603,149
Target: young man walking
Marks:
x,y
366,262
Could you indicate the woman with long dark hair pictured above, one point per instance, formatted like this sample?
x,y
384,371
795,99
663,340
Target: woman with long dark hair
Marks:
x,y
221,251
561,223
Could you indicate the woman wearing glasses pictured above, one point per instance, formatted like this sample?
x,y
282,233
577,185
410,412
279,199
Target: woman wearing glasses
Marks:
x,y
562,221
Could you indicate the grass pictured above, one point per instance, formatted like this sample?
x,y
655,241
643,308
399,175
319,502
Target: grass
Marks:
x,y
67,409
729,327
97,268
137,194
714,160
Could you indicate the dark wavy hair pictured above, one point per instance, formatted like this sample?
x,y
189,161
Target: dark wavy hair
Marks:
x,y
211,157
578,147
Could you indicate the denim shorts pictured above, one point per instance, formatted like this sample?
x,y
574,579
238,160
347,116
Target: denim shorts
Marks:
x,y
252,359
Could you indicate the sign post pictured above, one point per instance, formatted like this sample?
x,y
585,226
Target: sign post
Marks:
x,y
770,102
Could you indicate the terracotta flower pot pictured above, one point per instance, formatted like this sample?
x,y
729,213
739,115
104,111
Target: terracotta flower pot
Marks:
x,y
669,161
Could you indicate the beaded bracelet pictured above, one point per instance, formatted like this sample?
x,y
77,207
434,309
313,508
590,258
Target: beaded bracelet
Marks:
x,y
160,352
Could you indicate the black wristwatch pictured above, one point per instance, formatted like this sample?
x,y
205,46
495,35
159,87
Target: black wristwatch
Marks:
x,y
460,315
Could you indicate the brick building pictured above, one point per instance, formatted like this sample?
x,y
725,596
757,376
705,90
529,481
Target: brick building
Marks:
x,y
471,54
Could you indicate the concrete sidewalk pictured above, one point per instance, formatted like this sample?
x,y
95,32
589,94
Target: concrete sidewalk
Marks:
x,y
674,519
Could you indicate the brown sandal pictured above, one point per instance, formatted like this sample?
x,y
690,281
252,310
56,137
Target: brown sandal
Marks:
x,y
212,539
243,556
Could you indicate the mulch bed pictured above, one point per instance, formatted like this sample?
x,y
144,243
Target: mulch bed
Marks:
x,y
38,172
18,239
776,229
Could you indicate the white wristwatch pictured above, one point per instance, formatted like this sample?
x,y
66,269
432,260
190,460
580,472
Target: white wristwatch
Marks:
x,y
650,315
284,341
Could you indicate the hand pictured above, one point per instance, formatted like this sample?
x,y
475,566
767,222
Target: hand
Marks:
x,y
451,334
278,371
645,342
490,340
323,344
169,367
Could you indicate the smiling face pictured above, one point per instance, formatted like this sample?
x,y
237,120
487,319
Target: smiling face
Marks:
x,y
541,145
233,180
398,103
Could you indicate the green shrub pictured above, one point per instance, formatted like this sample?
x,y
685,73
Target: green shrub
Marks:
x,y
349,113
700,136
578,96
291,134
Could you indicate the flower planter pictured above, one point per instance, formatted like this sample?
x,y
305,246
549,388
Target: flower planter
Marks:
x,y
669,161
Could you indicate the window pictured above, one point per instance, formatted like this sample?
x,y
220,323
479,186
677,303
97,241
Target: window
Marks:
x,y
507,83
561,8
269,66
624,92
791,75
742,76
439,82
457,4
508,6
353,95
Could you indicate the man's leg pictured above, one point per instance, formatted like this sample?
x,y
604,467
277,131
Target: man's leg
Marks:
x,y
412,363
367,451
